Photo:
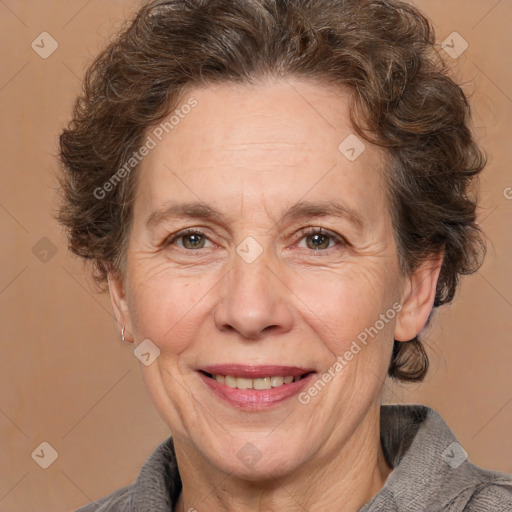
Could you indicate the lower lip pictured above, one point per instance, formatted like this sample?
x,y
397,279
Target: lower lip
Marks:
x,y
256,399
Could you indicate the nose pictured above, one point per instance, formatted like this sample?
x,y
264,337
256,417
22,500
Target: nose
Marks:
x,y
254,302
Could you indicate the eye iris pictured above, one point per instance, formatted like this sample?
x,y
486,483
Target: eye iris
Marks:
x,y
318,241
193,241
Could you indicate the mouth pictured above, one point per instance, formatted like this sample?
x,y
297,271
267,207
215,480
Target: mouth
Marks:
x,y
255,387
259,384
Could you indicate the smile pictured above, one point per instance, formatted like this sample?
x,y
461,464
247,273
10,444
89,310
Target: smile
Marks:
x,y
258,384
255,387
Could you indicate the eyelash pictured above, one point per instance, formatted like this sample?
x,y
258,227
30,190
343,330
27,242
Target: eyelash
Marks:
x,y
338,239
190,231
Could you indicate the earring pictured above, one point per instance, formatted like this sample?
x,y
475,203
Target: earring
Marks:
x,y
122,336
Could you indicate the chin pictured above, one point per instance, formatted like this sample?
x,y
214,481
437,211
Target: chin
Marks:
x,y
260,461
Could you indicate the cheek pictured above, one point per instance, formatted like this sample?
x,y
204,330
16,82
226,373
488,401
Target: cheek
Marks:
x,y
165,309
344,305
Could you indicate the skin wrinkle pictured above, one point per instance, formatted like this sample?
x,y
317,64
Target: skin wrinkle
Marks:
x,y
290,306
272,81
332,49
163,218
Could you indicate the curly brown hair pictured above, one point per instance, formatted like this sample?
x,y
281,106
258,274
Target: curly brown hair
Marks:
x,y
383,51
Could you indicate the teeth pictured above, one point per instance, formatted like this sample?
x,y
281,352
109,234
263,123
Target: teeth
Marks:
x,y
260,384
276,381
242,383
230,381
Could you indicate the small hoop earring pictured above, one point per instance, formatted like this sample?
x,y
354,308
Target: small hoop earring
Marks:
x,y
122,336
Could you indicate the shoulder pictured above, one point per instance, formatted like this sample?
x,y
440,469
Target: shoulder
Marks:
x,y
492,497
431,470
156,488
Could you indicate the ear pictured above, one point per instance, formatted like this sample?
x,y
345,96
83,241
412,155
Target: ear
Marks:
x,y
117,292
418,299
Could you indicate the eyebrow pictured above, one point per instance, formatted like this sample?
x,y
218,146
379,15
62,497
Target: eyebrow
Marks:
x,y
307,209
195,210
300,210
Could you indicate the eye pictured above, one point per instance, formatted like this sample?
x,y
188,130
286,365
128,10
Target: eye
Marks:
x,y
318,239
190,240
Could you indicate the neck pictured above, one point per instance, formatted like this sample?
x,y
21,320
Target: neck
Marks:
x,y
341,480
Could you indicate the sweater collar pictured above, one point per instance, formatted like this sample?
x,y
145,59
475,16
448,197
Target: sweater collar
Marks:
x,y
159,483
430,468
417,443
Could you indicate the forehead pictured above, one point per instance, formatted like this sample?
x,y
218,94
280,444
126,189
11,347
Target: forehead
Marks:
x,y
269,145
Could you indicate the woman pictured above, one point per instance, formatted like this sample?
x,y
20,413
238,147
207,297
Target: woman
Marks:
x,y
277,195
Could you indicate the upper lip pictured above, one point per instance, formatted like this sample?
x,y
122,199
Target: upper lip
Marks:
x,y
255,372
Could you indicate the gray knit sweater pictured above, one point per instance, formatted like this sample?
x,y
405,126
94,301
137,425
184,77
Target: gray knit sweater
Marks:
x,y
430,473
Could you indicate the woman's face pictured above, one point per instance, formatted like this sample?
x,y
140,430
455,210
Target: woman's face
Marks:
x,y
261,248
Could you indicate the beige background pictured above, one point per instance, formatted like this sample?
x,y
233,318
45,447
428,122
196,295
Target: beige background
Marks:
x,y
66,378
